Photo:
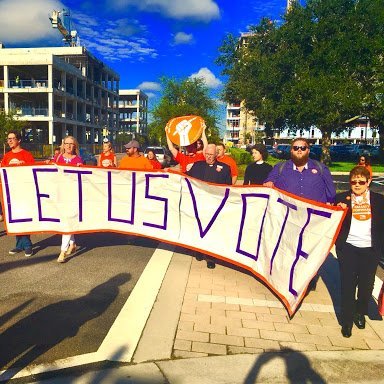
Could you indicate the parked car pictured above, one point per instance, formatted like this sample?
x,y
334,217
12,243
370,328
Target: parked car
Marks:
x,y
88,157
270,150
315,151
340,152
162,154
356,150
282,151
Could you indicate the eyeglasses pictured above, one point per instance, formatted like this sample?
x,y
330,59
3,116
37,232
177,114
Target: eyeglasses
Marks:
x,y
297,147
360,182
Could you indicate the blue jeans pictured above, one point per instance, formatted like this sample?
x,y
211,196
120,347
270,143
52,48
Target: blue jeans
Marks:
x,y
23,242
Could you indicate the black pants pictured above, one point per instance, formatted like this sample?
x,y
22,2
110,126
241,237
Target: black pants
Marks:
x,y
357,270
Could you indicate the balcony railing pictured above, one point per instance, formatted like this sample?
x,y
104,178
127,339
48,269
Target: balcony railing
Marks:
x,y
28,83
31,111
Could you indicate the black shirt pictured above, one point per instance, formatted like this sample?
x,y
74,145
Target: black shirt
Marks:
x,y
256,173
218,172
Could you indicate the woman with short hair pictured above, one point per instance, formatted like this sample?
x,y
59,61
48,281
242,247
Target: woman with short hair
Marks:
x,y
257,172
359,246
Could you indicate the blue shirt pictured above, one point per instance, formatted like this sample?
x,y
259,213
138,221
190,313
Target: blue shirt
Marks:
x,y
312,183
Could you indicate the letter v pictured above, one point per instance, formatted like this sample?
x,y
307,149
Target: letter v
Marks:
x,y
203,232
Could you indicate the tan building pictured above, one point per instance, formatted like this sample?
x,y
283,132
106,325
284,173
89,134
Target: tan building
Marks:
x,y
59,91
133,110
242,128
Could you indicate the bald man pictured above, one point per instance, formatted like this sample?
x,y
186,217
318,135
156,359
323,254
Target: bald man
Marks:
x,y
212,171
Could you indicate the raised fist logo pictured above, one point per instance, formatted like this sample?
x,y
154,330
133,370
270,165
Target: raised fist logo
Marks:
x,y
183,128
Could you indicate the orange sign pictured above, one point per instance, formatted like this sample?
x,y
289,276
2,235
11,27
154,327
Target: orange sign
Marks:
x,y
185,130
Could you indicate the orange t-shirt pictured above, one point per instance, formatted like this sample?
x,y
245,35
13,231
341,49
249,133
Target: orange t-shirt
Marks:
x,y
107,161
231,162
140,162
184,160
155,163
17,158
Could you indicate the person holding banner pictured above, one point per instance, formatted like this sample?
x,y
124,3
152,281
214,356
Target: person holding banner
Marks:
x,y
303,176
69,155
257,172
133,159
211,171
192,154
18,156
359,246
107,158
222,157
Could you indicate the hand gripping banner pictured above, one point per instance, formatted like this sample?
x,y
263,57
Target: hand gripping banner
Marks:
x,y
280,238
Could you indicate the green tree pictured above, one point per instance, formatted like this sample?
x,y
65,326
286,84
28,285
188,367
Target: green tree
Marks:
x,y
8,122
310,70
184,97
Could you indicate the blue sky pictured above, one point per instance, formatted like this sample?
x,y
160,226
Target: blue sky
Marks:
x,y
142,40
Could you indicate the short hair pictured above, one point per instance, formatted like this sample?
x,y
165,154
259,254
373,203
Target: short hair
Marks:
x,y
220,145
299,139
359,171
16,133
262,149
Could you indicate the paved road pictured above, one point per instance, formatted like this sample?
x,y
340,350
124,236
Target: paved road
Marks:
x,y
44,304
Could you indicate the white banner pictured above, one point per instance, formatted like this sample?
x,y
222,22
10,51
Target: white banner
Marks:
x,y
281,239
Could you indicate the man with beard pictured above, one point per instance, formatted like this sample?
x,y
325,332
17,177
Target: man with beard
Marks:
x,y
303,176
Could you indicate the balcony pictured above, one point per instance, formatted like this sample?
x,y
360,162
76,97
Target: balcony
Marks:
x,y
28,83
31,111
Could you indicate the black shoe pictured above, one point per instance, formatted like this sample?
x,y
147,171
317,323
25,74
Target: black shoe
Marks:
x,y
199,257
28,252
346,330
359,320
14,251
211,264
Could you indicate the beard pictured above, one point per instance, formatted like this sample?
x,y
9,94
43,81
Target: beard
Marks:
x,y
300,161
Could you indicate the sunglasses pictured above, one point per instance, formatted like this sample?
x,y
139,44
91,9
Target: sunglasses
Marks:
x,y
360,182
297,147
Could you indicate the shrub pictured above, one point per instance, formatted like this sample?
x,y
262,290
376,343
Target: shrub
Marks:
x,y
241,156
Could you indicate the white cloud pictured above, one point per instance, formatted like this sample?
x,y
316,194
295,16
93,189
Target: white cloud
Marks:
x,y
151,95
183,38
150,86
204,10
27,22
24,21
210,79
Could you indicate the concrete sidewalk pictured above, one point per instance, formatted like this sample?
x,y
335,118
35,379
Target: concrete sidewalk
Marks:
x,y
224,326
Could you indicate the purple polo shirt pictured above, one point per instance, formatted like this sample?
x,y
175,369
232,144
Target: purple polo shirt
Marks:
x,y
311,183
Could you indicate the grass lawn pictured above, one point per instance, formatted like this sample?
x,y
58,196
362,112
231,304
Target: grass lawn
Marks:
x,y
335,167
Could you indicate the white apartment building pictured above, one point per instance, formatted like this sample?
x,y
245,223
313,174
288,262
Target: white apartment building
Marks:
x,y
133,111
59,91
243,129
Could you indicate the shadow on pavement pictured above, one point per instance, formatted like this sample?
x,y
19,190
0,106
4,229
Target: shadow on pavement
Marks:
x,y
298,367
40,331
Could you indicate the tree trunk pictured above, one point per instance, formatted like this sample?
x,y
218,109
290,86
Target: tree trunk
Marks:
x,y
326,143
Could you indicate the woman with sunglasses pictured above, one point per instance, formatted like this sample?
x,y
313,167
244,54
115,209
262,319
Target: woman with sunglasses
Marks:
x,y
359,246
69,155
365,161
